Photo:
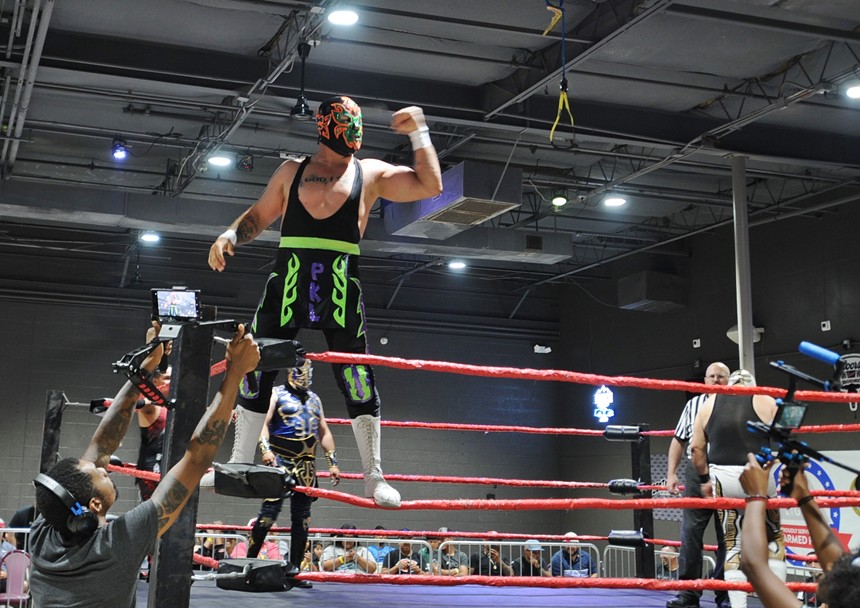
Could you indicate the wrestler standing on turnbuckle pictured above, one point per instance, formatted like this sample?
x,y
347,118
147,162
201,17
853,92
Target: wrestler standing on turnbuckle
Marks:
x,y
324,202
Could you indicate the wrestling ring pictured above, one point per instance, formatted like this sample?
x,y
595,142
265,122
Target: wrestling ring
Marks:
x,y
618,588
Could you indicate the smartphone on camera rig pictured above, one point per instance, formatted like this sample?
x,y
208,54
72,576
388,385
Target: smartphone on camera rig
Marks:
x,y
790,414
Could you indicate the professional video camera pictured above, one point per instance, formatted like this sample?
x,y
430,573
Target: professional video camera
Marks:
x,y
178,307
790,414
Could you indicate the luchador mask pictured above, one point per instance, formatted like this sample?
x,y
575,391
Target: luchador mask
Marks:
x,y
339,125
301,377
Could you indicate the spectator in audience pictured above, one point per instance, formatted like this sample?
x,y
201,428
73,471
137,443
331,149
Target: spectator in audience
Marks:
x,y
570,561
453,562
667,563
317,555
404,560
531,563
489,562
308,564
345,556
5,547
213,546
22,518
381,548
268,548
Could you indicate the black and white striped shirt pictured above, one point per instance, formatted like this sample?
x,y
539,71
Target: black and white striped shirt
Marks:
x,y
684,430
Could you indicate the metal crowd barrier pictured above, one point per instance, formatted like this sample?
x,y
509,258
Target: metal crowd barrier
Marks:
x,y
620,562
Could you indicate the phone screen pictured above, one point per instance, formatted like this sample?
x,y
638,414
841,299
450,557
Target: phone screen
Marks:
x,y
175,305
790,415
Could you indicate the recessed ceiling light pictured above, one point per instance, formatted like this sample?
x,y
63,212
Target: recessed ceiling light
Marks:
x,y
219,160
614,201
853,91
150,237
456,265
343,17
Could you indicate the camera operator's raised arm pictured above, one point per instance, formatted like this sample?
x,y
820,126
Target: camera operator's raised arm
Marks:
x,y
117,419
243,355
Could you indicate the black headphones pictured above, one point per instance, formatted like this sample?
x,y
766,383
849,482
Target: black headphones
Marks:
x,y
81,521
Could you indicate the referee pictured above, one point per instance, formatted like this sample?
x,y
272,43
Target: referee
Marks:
x,y
695,520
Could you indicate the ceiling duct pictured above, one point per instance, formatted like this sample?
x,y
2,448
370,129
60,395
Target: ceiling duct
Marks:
x,y
651,291
472,193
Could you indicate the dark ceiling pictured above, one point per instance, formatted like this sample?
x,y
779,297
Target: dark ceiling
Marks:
x,y
664,95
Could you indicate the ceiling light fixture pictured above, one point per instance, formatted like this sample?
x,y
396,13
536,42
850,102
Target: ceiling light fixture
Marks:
x,y
559,198
615,201
150,237
119,149
302,111
219,160
853,91
343,17
456,265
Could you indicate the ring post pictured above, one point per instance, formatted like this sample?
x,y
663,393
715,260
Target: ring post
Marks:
x,y
170,575
643,519
51,430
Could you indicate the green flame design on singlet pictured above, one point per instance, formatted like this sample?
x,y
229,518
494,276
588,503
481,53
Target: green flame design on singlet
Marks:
x,y
338,295
290,290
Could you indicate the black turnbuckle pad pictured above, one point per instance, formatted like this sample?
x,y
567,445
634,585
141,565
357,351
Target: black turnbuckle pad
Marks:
x,y
252,480
278,354
627,538
620,432
624,487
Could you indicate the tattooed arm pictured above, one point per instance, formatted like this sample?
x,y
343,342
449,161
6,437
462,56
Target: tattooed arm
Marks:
x,y
176,487
117,419
248,226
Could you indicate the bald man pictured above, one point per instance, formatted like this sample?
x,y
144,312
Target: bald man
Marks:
x,y
695,520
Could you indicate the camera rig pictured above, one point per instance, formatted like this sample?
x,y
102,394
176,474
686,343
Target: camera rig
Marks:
x,y
793,453
275,354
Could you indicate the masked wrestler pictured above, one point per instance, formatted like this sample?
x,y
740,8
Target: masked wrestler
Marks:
x,y
324,203
294,425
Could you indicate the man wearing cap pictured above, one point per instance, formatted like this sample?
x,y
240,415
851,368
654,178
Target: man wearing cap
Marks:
x,y
694,521
720,446
570,561
324,203
531,563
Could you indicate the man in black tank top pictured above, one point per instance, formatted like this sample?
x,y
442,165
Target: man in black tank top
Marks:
x,y
720,446
324,203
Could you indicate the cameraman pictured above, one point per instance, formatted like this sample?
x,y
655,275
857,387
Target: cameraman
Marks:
x,y
840,583
77,562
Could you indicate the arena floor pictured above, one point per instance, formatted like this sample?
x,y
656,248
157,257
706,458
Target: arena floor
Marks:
x,y
372,596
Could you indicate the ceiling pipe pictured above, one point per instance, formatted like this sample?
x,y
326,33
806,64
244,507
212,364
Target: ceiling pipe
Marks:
x,y
25,63
28,82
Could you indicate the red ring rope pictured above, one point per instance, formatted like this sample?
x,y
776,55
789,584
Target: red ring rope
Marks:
x,y
537,581
575,377
552,504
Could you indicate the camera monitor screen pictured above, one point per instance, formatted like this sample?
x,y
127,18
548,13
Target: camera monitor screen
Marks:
x,y
790,416
176,305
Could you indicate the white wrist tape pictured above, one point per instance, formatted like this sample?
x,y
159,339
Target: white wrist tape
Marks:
x,y
230,235
420,138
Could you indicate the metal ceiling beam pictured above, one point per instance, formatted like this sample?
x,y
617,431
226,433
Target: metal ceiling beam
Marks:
x,y
482,25
458,105
598,18
848,197
806,30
